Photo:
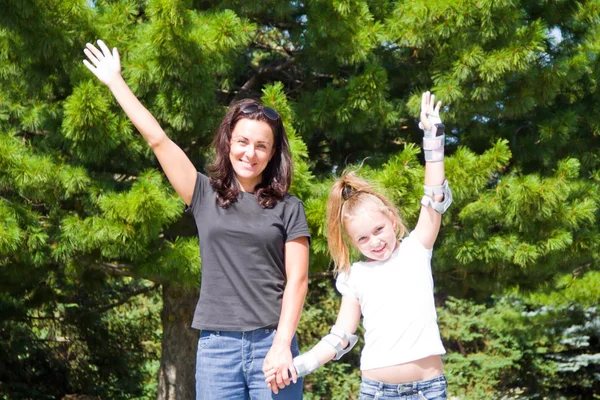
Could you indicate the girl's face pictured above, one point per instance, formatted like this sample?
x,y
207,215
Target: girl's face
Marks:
x,y
372,232
252,146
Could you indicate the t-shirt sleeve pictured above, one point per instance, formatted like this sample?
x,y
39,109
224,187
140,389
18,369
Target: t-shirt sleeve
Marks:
x,y
202,183
296,225
417,245
344,285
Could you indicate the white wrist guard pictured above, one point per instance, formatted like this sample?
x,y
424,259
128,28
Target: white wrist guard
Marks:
x,y
430,191
433,120
433,145
306,363
335,338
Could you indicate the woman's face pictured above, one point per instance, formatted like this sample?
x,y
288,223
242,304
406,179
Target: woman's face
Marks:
x,y
252,146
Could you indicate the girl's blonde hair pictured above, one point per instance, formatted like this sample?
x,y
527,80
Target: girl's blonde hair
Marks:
x,y
348,194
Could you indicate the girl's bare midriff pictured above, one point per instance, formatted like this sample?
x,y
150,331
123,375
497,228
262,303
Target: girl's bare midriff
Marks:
x,y
419,370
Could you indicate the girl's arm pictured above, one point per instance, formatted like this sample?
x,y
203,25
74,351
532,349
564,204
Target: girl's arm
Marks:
x,y
323,352
177,166
430,220
279,358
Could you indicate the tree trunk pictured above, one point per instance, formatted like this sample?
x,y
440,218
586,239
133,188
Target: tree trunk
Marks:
x,y
179,342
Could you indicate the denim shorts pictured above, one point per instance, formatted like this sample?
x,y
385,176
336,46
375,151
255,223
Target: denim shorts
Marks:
x,y
229,366
432,389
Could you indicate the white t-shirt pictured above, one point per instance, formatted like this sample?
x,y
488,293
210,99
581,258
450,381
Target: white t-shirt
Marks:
x,y
396,301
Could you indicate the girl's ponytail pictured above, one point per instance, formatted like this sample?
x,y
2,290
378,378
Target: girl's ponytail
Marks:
x,y
338,248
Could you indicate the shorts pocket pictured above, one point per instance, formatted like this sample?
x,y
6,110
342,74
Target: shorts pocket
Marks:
x,y
205,338
437,392
368,393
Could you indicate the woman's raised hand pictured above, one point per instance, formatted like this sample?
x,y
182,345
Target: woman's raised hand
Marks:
x,y
106,65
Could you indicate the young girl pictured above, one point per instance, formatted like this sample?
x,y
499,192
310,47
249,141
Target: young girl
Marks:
x,y
393,287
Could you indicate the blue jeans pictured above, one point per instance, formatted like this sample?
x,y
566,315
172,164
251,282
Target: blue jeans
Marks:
x,y
432,389
229,366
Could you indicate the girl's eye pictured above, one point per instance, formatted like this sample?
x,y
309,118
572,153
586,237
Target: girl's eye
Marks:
x,y
379,229
361,239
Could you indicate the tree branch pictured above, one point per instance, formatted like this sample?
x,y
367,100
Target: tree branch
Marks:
x,y
282,25
267,69
321,275
320,75
123,300
112,268
278,49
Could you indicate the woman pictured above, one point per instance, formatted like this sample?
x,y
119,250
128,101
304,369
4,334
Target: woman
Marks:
x,y
253,241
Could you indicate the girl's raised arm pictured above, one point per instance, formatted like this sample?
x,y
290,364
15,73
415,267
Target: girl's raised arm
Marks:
x,y
180,171
437,196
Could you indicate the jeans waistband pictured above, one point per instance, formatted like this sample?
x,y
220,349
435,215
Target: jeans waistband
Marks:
x,y
265,331
401,387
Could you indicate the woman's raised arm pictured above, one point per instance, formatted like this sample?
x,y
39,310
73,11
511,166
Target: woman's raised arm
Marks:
x,y
180,171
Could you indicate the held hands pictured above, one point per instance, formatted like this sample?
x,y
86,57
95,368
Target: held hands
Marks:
x,y
279,368
106,65
270,379
430,112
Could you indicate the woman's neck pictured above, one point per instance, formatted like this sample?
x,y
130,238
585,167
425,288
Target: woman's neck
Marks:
x,y
247,186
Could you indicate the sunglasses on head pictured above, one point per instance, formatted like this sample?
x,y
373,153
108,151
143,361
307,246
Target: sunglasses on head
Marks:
x,y
268,112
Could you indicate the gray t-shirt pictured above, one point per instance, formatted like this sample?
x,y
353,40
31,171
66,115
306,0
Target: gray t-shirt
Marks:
x,y
243,260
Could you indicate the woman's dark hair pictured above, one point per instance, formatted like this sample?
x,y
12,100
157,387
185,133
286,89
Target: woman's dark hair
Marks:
x,y
277,176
